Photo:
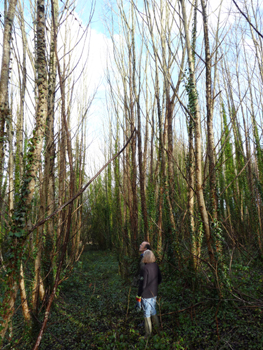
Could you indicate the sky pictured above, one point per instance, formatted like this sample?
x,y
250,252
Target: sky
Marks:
x,y
98,52
98,49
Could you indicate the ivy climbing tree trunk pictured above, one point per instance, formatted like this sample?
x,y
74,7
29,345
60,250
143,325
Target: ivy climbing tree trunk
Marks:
x,y
21,221
198,147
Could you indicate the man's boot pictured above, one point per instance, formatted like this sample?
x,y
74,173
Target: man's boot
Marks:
x,y
155,321
148,326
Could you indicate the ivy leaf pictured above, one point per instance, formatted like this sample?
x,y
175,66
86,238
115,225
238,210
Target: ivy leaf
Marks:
x,y
19,234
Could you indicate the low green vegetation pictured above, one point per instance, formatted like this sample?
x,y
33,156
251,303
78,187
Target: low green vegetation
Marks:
x,y
95,310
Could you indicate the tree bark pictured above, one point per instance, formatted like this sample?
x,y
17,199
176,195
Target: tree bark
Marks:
x,y
133,174
209,115
4,101
49,176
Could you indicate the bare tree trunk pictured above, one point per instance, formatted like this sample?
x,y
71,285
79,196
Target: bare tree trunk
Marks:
x,y
126,187
4,103
24,303
62,176
161,161
20,117
145,152
79,202
38,244
10,168
50,159
209,115
195,244
140,155
132,72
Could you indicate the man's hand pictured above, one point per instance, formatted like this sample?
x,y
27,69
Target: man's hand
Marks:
x,y
138,305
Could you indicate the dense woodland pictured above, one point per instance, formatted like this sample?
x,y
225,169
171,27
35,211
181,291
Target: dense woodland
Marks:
x,y
183,169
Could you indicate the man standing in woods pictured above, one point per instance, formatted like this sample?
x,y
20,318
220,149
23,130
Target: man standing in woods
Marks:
x,y
143,247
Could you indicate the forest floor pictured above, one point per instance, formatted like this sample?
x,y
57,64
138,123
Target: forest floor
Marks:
x,y
95,310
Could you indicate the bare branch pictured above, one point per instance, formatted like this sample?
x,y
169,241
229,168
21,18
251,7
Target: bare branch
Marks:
x,y
246,17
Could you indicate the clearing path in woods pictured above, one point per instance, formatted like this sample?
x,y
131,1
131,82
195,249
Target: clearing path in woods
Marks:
x,y
95,310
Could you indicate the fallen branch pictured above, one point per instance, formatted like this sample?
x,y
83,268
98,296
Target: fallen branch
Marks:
x,y
177,312
58,210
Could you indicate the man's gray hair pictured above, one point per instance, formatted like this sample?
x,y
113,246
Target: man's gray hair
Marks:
x,y
148,257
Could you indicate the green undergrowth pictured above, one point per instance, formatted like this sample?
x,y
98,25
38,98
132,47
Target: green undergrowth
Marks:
x,y
95,310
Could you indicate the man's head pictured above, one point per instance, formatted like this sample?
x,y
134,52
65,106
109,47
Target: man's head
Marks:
x,y
144,246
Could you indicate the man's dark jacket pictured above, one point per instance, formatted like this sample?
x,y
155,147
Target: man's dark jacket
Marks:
x,y
150,277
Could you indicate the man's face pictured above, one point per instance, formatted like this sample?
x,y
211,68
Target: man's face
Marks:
x,y
142,247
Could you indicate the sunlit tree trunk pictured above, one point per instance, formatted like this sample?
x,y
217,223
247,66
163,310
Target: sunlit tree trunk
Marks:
x,y
6,53
23,296
20,114
140,155
209,115
39,245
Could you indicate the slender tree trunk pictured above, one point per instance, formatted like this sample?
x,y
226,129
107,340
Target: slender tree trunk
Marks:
x,y
62,179
132,72
195,246
20,116
4,103
24,302
10,168
161,168
50,160
209,115
140,155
